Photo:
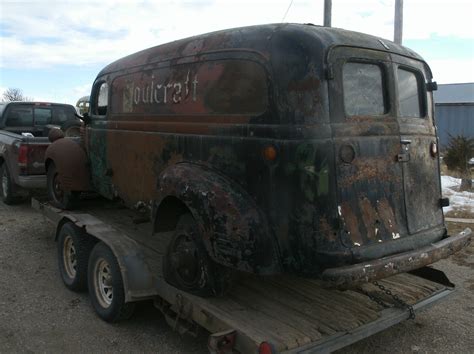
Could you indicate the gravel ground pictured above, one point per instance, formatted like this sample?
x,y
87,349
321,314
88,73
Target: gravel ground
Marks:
x,y
38,314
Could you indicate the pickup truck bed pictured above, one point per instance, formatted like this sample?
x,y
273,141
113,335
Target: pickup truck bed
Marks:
x,y
291,314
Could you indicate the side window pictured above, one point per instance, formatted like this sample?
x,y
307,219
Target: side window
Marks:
x,y
102,98
20,116
61,115
364,91
409,98
42,116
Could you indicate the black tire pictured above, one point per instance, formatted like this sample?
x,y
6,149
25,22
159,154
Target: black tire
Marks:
x,y
188,266
71,128
57,196
106,286
7,187
74,248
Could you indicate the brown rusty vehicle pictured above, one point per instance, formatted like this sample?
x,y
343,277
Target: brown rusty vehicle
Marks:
x,y
268,149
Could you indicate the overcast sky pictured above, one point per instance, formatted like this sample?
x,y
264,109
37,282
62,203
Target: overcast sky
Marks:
x,y
53,50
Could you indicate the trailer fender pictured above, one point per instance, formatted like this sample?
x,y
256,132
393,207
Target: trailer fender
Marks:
x,y
138,279
71,162
235,232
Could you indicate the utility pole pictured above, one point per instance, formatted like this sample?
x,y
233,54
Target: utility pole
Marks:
x,y
327,13
398,23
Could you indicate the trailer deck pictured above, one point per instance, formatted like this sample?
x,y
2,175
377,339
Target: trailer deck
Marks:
x,y
291,314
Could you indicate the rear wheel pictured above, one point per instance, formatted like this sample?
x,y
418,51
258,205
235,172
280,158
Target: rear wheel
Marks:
x,y
6,186
74,247
187,264
106,286
57,195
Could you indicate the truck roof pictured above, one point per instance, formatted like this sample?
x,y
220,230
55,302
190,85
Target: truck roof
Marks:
x,y
259,38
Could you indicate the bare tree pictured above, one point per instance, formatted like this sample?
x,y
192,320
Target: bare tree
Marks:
x,y
14,94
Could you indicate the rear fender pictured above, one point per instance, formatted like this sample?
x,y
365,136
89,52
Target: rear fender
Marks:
x,y
71,162
235,232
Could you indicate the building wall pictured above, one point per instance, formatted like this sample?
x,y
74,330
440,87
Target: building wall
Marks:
x,y
457,119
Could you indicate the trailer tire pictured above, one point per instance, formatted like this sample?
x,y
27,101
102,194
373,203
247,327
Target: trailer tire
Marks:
x,y
187,264
106,288
74,248
6,185
59,198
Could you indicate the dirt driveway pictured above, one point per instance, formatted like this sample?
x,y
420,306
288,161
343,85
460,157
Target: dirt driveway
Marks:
x,y
38,314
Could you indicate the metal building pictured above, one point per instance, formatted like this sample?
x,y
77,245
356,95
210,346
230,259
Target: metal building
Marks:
x,y
454,104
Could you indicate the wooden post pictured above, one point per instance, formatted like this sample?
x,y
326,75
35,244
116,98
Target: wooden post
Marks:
x,y
327,13
398,23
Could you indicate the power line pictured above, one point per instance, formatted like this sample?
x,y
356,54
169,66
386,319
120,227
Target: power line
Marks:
x,y
288,9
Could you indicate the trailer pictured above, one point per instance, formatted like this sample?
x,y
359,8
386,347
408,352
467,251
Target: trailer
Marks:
x,y
260,314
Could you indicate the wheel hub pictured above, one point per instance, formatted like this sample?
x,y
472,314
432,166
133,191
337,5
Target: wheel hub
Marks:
x,y
185,260
69,257
4,185
103,283
58,192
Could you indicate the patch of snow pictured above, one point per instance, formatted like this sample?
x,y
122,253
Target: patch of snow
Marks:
x,y
457,200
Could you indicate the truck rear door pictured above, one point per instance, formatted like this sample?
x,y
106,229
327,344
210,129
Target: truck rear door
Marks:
x,y
366,137
417,130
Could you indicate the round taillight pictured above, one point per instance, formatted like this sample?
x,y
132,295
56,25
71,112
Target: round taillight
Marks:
x,y
347,153
265,348
434,149
269,153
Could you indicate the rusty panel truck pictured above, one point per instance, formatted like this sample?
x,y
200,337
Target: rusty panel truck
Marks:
x,y
270,149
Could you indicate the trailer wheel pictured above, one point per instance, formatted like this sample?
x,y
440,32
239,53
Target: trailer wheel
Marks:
x,y
7,187
59,198
74,248
187,265
106,286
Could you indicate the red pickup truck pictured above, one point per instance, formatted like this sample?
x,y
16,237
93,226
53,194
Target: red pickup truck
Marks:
x,y
24,128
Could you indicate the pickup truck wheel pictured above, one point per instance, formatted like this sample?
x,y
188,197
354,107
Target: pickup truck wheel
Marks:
x,y
74,248
59,198
187,264
6,186
106,285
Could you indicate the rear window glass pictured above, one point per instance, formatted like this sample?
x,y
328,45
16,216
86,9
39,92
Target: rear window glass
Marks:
x,y
20,116
409,98
364,92
42,116
62,114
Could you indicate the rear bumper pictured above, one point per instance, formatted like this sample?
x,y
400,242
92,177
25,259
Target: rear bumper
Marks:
x,y
32,182
350,276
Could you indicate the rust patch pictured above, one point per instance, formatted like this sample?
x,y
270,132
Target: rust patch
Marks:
x,y
387,216
368,169
370,218
326,229
351,224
